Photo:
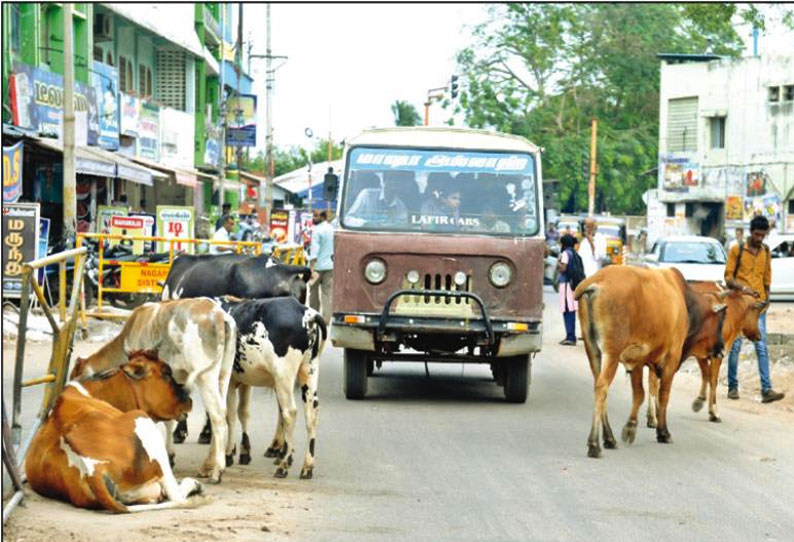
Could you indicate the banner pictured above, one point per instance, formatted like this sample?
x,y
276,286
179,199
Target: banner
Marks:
x,y
678,173
149,132
20,229
12,173
37,103
128,225
175,222
279,225
130,115
105,81
177,137
241,121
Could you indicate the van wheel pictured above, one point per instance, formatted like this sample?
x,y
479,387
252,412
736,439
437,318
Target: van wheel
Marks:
x,y
355,373
517,378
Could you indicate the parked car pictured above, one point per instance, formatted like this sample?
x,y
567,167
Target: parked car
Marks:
x,y
698,258
781,248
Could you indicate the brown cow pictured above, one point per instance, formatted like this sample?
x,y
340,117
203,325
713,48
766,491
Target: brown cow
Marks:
x,y
92,454
637,317
741,316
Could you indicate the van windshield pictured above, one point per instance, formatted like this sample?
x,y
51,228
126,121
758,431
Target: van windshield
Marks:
x,y
440,191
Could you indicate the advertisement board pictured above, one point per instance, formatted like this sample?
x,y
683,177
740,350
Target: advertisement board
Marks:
x,y
128,225
177,137
12,173
20,227
149,224
143,278
175,221
149,132
279,225
678,173
241,121
130,115
37,103
105,81
105,213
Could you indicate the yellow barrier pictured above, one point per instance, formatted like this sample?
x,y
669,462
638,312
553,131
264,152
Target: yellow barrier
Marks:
x,y
290,254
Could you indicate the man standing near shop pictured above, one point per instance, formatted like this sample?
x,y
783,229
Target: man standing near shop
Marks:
x,y
223,234
592,248
749,270
321,262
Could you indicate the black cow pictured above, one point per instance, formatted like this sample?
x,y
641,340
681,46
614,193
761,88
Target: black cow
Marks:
x,y
238,275
279,341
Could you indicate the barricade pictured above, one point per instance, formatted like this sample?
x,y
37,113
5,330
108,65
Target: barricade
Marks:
x,y
55,377
291,254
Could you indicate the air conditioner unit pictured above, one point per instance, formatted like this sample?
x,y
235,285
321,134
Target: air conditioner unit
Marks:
x,y
102,31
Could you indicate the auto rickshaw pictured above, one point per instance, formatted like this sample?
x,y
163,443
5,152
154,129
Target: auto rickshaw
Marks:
x,y
614,230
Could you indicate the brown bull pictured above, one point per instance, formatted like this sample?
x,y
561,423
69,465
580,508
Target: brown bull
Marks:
x,y
100,448
637,317
741,316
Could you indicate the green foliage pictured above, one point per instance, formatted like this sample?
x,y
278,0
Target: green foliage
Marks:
x,y
405,114
545,70
292,158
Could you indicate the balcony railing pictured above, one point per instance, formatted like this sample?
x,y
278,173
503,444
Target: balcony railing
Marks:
x,y
211,24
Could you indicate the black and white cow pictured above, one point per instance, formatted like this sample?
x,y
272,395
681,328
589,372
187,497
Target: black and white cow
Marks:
x,y
238,275
279,341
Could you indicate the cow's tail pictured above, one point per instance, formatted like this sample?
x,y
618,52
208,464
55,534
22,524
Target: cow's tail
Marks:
x,y
585,295
320,334
229,349
105,490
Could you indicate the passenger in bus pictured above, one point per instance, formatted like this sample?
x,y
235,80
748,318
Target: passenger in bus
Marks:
x,y
359,180
407,189
443,212
490,221
379,205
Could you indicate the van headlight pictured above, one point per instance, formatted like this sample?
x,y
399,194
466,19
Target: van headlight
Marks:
x,y
500,274
375,271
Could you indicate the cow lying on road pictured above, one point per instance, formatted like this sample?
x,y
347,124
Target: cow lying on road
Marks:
x,y
741,316
99,447
198,339
279,341
637,317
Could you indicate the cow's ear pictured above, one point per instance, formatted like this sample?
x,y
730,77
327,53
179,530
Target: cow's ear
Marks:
x,y
135,370
718,308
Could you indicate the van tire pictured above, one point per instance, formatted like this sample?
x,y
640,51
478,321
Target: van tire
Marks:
x,y
355,373
517,378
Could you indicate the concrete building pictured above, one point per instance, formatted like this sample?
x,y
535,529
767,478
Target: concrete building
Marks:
x,y
726,144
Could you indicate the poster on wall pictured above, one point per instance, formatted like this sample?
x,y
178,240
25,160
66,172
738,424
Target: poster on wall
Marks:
x,y
302,227
12,173
734,207
241,121
768,206
37,103
279,225
128,225
678,173
756,183
149,132
105,81
178,222
20,227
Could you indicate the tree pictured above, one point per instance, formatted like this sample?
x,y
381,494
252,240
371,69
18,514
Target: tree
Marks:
x,y
405,114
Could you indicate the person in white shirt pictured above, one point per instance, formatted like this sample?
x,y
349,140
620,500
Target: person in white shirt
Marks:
x,y
592,248
222,234
739,237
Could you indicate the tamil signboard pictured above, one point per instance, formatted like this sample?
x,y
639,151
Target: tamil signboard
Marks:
x,y
12,173
37,103
105,80
20,243
149,132
241,121
175,222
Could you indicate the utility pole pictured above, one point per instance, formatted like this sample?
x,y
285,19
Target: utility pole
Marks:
x,y
69,182
593,169
238,68
222,117
433,94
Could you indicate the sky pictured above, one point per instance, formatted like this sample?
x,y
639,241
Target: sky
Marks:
x,y
348,63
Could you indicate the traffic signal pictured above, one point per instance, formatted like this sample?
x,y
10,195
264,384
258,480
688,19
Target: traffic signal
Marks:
x,y
330,185
453,86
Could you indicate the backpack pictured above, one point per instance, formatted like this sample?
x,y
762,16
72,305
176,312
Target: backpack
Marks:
x,y
739,257
575,270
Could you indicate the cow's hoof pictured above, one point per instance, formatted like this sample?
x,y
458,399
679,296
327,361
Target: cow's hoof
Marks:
x,y
245,459
651,423
610,443
307,473
280,473
215,479
629,432
697,404
714,418
229,460
171,460
198,489
205,438
271,452
593,450
664,438
179,436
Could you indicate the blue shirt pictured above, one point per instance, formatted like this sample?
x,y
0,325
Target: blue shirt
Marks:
x,y
322,246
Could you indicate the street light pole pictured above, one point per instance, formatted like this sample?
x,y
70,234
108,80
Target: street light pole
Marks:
x,y
433,94
69,173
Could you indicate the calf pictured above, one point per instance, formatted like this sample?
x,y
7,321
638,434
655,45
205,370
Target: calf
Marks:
x,y
198,339
741,316
99,447
638,317
279,341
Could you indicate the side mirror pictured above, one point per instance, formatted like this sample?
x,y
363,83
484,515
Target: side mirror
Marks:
x,y
330,186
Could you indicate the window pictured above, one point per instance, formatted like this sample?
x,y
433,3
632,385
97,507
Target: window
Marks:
x,y
109,60
122,74
774,94
788,93
682,125
142,80
717,126
149,86
791,206
671,209
97,53
689,210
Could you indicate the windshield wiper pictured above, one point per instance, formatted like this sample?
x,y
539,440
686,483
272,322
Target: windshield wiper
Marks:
x,y
692,261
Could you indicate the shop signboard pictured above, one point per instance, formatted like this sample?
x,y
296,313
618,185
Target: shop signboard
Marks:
x,y
130,115
105,80
149,132
128,225
177,137
105,213
20,227
12,173
175,222
279,225
142,279
37,103
241,121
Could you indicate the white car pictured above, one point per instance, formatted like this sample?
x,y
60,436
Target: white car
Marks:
x,y
698,258
781,247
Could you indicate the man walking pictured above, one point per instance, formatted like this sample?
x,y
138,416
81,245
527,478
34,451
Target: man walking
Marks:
x,y
321,262
749,270
593,248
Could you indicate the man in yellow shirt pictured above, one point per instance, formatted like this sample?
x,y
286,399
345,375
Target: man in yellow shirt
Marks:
x,y
749,270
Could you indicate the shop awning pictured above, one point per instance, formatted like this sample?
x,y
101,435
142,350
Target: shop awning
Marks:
x,y
126,169
183,175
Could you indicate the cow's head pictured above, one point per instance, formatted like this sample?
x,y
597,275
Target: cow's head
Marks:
x,y
745,311
81,369
156,391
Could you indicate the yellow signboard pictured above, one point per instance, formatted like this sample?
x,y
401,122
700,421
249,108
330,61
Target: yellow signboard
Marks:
x,y
141,277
